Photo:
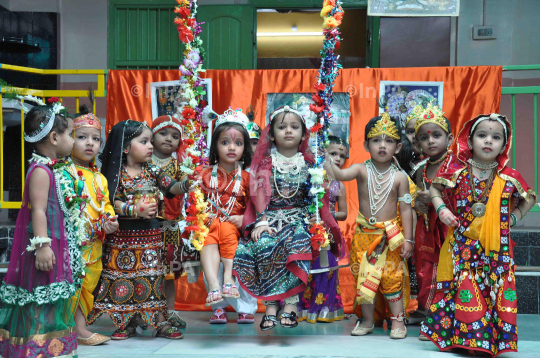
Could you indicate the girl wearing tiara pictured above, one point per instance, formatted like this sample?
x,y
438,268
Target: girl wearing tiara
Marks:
x,y
226,187
475,304
272,261
45,267
133,277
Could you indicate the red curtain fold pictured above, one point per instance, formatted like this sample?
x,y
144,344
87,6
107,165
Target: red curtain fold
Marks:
x,y
468,91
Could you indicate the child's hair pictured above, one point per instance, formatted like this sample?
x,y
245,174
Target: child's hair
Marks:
x,y
132,130
41,114
505,130
405,154
280,117
337,140
83,110
246,156
374,121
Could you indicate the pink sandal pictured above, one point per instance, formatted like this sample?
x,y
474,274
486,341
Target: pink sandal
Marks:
x,y
214,293
219,317
227,289
244,318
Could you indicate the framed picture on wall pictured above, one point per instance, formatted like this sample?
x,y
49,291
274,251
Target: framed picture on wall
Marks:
x,y
340,109
167,99
400,97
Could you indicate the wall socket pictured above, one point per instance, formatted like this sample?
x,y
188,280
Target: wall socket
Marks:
x,y
484,33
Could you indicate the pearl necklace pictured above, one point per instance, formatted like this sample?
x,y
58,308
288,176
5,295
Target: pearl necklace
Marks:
x,y
284,165
291,166
214,189
160,162
379,189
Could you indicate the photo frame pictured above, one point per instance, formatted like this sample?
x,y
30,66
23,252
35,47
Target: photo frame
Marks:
x,y
340,109
167,99
400,97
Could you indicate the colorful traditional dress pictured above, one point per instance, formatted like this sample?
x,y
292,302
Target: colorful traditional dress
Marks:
x,y
37,317
321,301
91,183
133,275
475,305
277,265
230,192
183,256
429,237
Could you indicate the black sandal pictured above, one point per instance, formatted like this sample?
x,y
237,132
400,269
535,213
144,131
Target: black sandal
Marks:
x,y
292,316
268,318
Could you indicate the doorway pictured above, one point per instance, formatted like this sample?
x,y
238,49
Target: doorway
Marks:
x,y
292,39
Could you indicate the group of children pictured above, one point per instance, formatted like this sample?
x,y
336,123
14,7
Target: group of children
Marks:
x,y
91,241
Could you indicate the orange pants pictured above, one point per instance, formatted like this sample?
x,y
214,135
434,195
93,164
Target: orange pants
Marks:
x,y
225,235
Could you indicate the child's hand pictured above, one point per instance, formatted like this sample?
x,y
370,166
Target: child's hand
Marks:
x,y
236,220
111,225
424,197
448,218
406,250
257,232
145,209
422,208
45,259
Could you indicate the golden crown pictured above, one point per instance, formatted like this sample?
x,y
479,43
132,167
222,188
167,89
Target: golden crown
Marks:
x,y
384,126
432,114
415,113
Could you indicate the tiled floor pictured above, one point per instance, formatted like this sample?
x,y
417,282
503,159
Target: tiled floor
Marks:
x,y
307,340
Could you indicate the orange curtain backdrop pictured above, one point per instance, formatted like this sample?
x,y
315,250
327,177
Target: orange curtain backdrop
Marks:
x,y
468,91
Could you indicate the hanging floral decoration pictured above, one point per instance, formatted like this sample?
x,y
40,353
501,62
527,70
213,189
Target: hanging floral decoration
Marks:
x,y
194,134
332,13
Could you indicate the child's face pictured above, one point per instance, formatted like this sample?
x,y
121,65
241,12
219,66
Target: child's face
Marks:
x,y
433,139
409,132
288,132
64,141
166,141
140,149
487,141
382,148
230,146
253,142
86,145
338,152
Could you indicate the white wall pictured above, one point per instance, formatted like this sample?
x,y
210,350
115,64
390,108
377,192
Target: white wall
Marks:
x,y
83,37
517,34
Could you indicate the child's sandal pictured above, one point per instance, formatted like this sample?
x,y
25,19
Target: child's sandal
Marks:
x,y
213,294
268,318
227,289
292,316
169,333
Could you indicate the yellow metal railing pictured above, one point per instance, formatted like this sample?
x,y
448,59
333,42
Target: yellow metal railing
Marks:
x,y
77,94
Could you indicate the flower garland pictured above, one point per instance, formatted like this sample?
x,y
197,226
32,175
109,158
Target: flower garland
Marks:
x,y
71,205
194,138
332,13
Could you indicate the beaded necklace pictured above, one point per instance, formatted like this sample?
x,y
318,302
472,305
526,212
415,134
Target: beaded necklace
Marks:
x,y
379,188
160,162
291,166
214,189
424,172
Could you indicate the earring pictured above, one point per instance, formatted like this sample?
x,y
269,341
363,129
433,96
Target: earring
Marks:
x,y
448,150
421,154
470,146
125,152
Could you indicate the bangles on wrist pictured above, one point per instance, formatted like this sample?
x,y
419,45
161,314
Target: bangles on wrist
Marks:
x,y
514,219
261,223
440,207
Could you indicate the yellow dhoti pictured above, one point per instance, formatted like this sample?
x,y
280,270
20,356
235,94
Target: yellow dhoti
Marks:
x,y
84,298
377,265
